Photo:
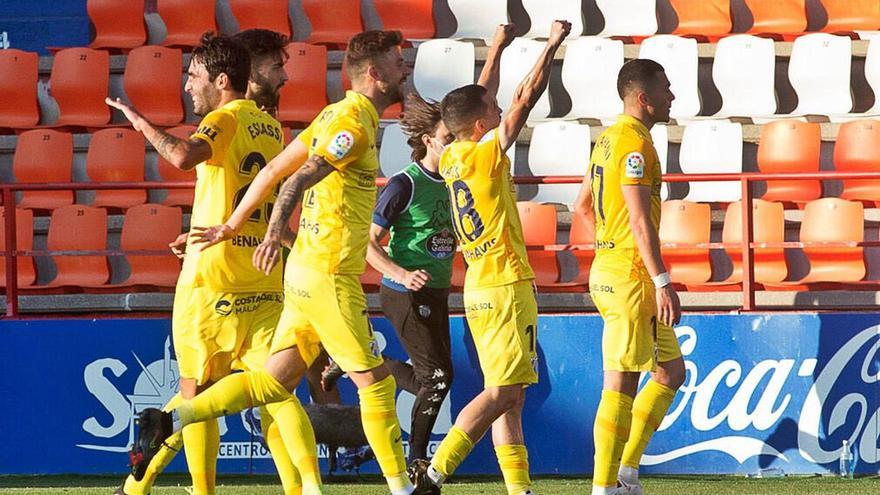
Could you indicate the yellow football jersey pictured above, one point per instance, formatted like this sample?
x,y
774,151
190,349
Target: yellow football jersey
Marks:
x,y
336,212
484,212
243,139
624,155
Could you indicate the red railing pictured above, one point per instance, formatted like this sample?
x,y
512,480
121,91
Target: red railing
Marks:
x,y
747,244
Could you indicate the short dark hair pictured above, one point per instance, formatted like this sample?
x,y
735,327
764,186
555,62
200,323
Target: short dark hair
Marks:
x,y
221,54
462,107
366,47
637,74
262,42
420,117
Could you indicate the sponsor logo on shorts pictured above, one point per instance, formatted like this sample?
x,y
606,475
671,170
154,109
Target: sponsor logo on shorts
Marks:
x,y
480,306
609,289
246,304
374,348
223,307
424,310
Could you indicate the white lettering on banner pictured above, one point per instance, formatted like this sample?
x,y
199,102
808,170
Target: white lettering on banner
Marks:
x,y
102,389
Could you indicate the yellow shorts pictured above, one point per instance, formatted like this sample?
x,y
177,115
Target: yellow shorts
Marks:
x,y
330,310
504,324
217,332
632,339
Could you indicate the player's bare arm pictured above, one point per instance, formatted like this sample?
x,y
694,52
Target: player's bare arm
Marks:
x,y
491,73
531,88
638,203
184,154
378,258
583,205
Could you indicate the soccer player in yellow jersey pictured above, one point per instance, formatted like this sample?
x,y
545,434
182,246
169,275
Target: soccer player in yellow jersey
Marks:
x,y
334,163
628,282
225,310
499,294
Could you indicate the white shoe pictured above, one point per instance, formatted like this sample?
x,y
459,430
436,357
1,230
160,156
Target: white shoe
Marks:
x,y
629,489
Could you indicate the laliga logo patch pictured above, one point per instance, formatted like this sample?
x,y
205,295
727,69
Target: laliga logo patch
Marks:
x,y
635,165
223,307
341,144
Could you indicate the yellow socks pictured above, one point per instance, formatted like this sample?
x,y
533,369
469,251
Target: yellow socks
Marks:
x,y
166,453
379,418
450,454
648,411
201,442
230,395
610,433
299,440
514,463
290,480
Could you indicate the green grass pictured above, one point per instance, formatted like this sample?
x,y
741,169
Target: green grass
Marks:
x,y
266,485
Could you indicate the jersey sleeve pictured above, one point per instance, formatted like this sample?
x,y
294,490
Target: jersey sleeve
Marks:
x,y
305,137
341,142
217,129
636,163
393,200
489,156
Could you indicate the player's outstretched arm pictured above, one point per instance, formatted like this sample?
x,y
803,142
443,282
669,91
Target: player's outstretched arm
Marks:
x,y
532,87
184,154
583,205
379,259
491,73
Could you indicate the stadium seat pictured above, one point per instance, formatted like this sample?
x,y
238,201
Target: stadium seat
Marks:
x,y
783,19
305,93
768,225
542,13
117,155
851,15
333,23
857,149
660,138
678,56
442,65
19,107
593,92
413,18
833,220
580,233
168,172
539,229
559,148
516,62
477,19
43,155
628,17
825,91
117,24
790,146
712,147
702,18
684,222
186,20
78,228
153,79
394,152
79,82
24,237
266,14
872,76
459,269
744,71
151,227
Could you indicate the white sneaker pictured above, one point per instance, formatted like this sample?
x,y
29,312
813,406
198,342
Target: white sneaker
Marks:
x,y
629,489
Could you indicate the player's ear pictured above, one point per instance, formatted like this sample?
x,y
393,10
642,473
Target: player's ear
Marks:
x,y
221,82
373,72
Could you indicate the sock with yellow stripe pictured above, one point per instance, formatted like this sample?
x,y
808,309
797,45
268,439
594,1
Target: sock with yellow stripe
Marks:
x,y
299,441
291,483
648,411
610,433
514,463
160,461
450,454
379,418
201,442
230,395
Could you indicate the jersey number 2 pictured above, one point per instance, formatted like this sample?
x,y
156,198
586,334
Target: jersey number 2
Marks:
x,y
468,224
251,165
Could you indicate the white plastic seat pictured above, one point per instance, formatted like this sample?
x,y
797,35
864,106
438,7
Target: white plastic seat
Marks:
x,y
542,13
559,148
679,59
593,92
628,17
819,70
712,147
443,65
394,152
516,62
744,72
478,19
660,137
872,75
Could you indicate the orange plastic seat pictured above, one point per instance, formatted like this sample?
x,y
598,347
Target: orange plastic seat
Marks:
x,y
79,81
43,155
780,17
768,225
704,18
117,24
117,155
851,15
413,18
858,150
305,93
833,220
684,222
187,20
790,146
24,236
170,173
582,234
265,14
459,269
151,227
19,107
79,228
333,23
153,79
539,229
